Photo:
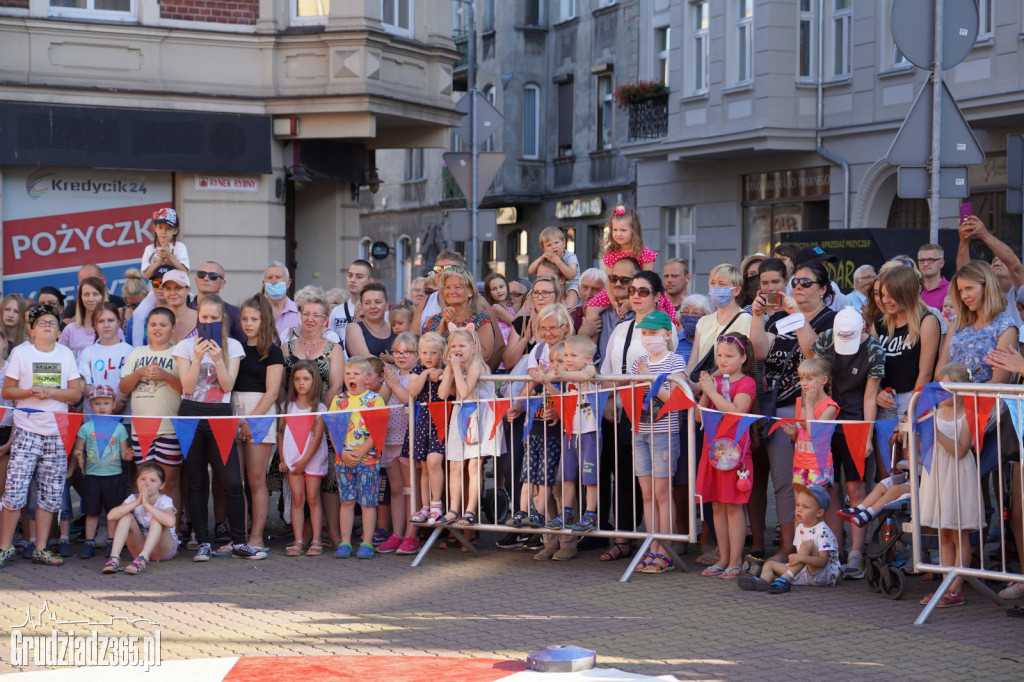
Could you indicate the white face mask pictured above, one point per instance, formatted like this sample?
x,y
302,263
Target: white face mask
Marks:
x,y
654,345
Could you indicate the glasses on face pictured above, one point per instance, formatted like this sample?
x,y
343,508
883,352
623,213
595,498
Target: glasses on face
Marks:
x,y
48,324
517,294
313,316
928,261
642,292
728,338
545,294
402,353
804,282
428,291
615,279
448,268
212,276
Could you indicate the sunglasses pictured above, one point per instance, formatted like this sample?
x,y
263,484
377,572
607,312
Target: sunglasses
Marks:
x,y
903,261
804,282
615,279
728,339
212,276
449,268
642,292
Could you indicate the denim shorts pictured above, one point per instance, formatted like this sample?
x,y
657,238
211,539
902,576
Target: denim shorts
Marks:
x,y
581,448
360,483
657,453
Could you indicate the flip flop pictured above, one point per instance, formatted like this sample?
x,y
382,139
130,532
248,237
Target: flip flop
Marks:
x,y
712,571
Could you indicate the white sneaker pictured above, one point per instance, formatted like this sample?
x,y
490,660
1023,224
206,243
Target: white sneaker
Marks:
x,y
1012,591
854,568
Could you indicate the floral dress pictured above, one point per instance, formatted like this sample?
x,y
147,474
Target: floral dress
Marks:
x,y
477,320
425,438
969,346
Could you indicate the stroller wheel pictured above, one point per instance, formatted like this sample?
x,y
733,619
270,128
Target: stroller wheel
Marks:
x,y
892,582
871,575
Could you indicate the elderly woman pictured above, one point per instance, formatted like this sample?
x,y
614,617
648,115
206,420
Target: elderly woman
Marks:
x,y
372,336
546,291
461,308
691,310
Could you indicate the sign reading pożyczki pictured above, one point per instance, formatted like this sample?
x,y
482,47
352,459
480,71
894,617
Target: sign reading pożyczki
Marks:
x,y
57,219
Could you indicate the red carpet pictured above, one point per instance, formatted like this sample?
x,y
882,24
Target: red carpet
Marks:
x,y
370,668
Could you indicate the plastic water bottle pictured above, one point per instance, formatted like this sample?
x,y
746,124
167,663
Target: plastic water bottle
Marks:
x,y
725,387
891,412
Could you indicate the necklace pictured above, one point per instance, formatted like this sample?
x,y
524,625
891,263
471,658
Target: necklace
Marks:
x,y
310,344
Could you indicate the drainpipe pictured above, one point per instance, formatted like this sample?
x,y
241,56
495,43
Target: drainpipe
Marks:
x,y
820,118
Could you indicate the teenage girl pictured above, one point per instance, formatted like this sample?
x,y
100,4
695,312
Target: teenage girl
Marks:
x,y
428,450
395,460
726,461
101,363
15,329
307,464
145,522
81,333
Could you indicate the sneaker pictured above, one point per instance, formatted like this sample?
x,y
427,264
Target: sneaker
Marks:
x,y
566,520
65,547
780,586
88,550
6,556
344,551
381,535
587,523
203,552
854,568
752,565
410,545
752,583
1012,591
248,552
365,551
47,558
517,519
222,533
390,545
545,554
532,542
534,520
513,541
224,550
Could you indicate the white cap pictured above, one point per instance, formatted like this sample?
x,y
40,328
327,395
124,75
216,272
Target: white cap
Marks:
x,y
846,331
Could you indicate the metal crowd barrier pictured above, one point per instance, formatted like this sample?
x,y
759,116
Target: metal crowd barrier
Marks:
x,y
994,416
623,528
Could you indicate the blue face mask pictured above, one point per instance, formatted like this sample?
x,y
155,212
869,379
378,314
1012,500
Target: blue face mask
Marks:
x,y
720,296
690,325
276,290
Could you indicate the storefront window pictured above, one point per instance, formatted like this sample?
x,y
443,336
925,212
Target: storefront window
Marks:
x,y
783,201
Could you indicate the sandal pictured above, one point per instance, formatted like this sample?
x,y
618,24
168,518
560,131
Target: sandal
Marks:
x,y
294,549
659,564
713,571
615,552
316,548
731,573
140,565
450,517
113,565
709,557
468,519
640,567
421,516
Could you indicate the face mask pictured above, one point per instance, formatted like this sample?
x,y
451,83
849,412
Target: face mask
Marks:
x,y
690,325
276,290
654,344
720,296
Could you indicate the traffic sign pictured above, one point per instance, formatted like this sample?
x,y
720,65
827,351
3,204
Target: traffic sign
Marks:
x,y
916,183
460,165
487,118
460,225
911,22
913,143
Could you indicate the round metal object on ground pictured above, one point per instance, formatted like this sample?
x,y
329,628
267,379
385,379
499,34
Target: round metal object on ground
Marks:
x,y
561,658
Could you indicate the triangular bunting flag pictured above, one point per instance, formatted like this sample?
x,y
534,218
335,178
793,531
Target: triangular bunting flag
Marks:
x,y
145,429
466,412
655,387
299,425
779,421
884,428
103,427
744,425
821,441
439,415
224,431
1016,411
185,430
931,395
377,424
978,409
677,401
259,427
726,424
68,424
532,405
337,427
565,405
710,419
926,433
499,407
856,434
632,398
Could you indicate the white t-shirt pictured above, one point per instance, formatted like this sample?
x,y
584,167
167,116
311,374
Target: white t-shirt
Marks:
x,y
32,367
145,519
180,252
208,389
102,366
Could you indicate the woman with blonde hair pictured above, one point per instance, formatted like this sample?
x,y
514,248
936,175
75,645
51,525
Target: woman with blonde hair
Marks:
x,y
15,325
80,333
460,309
725,283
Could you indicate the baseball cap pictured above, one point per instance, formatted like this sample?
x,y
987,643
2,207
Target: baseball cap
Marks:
x,y
176,276
166,215
814,254
102,391
161,270
656,320
846,331
815,491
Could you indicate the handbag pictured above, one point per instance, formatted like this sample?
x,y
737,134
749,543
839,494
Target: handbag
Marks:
x,y
708,363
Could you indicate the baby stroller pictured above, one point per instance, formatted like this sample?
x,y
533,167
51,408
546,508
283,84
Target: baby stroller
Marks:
x,y
886,553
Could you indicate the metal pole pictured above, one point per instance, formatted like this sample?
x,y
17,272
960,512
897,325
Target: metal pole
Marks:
x,y
935,163
474,210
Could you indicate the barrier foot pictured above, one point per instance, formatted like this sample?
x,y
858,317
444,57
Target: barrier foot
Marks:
x,y
460,535
666,547
427,545
986,591
637,558
936,597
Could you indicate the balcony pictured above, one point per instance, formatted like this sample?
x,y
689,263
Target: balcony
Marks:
x,y
648,117
460,72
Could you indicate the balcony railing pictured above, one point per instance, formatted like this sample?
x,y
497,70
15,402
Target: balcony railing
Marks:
x,y
460,37
648,117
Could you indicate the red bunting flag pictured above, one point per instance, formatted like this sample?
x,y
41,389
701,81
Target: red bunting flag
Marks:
x,y
68,424
632,398
565,405
439,415
727,423
857,435
377,424
978,409
145,431
780,421
677,401
299,425
499,407
224,431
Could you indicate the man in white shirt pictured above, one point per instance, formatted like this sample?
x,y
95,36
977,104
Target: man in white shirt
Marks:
x,y
276,281
359,274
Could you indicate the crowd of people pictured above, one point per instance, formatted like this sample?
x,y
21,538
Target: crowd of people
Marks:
x,y
774,337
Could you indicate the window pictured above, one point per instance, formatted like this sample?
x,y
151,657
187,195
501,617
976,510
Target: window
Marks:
x,y
531,122
403,267
488,145
413,165
984,19
678,224
116,10
396,15
604,111
565,116
531,12
566,9
807,64
364,249
700,47
744,41
899,60
842,34
488,7
662,43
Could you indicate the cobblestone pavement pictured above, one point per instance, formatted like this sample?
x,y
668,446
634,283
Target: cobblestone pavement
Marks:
x,y
505,604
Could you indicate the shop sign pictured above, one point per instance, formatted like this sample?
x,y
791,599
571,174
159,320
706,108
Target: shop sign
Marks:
x,y
788,184
227,183
507,215
991,173
579,208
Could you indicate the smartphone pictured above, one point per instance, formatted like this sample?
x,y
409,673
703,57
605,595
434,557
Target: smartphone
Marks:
x,y
773,300
966,210
209,331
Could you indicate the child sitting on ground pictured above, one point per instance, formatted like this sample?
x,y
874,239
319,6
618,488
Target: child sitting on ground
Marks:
x,y
145,522
816,560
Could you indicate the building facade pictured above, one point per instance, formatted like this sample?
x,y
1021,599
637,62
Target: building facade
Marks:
x,y
780,115
258,120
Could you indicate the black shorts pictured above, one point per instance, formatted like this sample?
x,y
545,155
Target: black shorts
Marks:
x,y
102,493
842,460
